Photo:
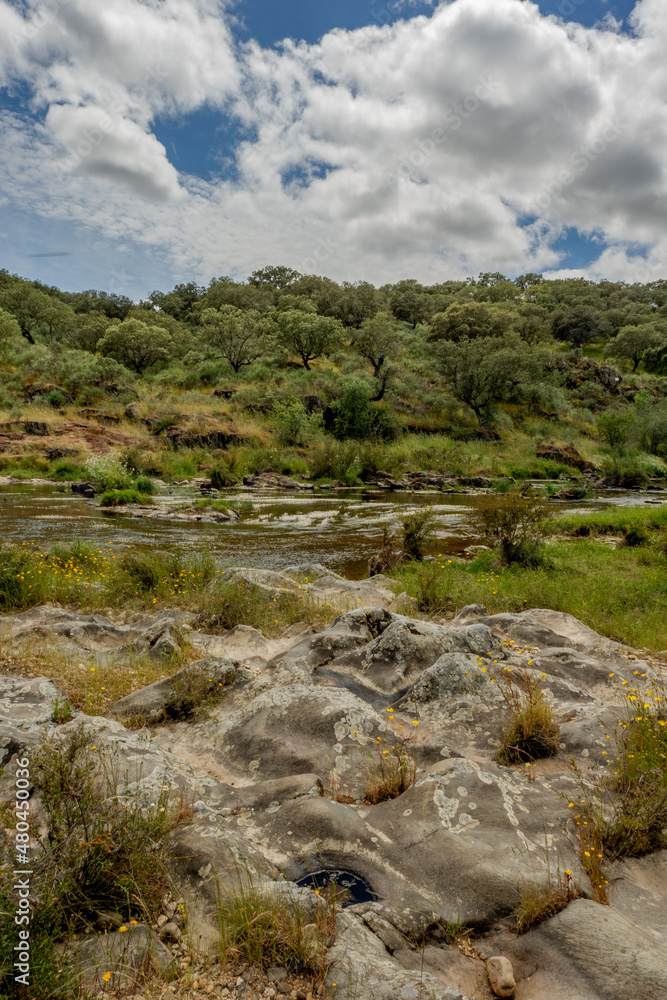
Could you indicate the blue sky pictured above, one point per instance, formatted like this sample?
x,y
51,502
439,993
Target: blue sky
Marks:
x,y
213,129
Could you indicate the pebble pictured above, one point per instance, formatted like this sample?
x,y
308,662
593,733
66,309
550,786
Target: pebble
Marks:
x,y
501,976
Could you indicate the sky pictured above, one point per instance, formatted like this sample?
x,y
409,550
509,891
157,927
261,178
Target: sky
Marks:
x,y
149,142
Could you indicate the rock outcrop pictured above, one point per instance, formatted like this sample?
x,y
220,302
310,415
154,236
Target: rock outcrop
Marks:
x,y
279,771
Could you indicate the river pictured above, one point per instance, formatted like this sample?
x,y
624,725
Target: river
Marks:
x,y
340,528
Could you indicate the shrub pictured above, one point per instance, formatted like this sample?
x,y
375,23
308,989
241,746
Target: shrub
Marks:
x,y
615,426
56,399
639,823
227,472
144,485
355,415
418,533
106,472
516,523
294,425
335,460
68,470
531,731
103,850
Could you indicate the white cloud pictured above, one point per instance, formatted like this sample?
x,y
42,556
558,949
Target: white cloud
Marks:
x,y
419,147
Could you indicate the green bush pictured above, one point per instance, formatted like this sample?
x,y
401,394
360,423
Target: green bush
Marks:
x,y
144,485
103,850
56,399
356,416
107,472
516,522
418,533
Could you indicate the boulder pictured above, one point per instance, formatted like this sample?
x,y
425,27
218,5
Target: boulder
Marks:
x,y
455,845
178,695
272,480
348,594
397,658
361,968
115,960
501,976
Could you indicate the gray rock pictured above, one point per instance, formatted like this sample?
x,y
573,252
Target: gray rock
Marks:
x,y
397,658
349,594
313,570
123,954
170,697
276,974
170,932
455,845
362,968
590,952
26,702
265,579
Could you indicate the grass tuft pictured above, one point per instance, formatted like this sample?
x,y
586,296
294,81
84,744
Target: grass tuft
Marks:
x,y
531,732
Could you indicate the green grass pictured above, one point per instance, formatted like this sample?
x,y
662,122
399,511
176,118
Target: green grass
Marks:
x,y
118,498
142,579
621,593
614,520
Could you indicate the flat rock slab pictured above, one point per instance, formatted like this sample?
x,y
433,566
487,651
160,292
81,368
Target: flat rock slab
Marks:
x,y
28,701
590,952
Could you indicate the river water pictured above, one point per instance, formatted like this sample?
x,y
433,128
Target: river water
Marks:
x,y
340,528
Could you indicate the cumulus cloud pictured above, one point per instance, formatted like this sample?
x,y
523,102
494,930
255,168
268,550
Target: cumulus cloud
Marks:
x,y
440,145
112,68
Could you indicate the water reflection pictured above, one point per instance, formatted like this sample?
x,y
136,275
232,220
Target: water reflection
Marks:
x,y
338,528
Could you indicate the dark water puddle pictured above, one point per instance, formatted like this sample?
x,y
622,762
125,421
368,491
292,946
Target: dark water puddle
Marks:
x,y
347,887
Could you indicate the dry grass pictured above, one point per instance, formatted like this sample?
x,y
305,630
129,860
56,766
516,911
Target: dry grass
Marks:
x,y
392,768
539,902
91,687
265,929
531,732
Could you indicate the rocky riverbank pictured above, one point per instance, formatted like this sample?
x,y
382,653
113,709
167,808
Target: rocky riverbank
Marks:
x,y
278,773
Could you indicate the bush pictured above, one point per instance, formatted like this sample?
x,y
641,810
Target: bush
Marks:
x,y
355,415
68,470
228,471
517,523
418,533
106,472
334,460
294,425
144,485
56,399
103,850
639,823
